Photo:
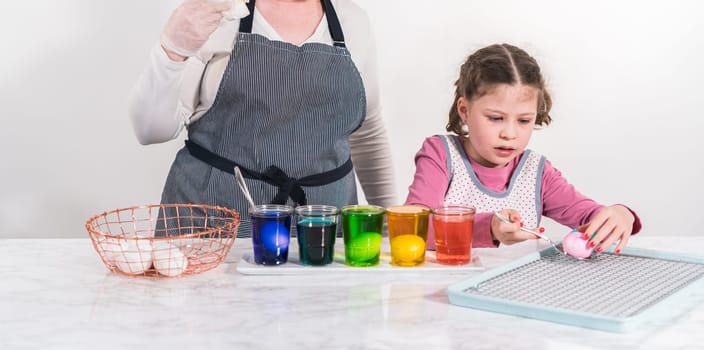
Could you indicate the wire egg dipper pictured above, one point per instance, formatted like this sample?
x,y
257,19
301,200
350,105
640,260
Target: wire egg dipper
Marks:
x,y
506,220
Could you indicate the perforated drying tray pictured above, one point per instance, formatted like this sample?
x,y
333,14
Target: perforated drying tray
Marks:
x,y
608,292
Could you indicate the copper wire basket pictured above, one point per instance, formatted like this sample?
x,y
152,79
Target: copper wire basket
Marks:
x,y
165,240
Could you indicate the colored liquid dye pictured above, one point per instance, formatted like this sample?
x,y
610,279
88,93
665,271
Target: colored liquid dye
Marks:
x,y
316,241
453,240
270,238
408,232
362,227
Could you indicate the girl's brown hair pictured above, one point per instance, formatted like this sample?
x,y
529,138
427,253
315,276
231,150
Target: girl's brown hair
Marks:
x,y
494,65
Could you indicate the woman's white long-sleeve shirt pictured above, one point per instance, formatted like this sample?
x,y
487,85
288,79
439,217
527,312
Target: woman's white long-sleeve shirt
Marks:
x,y
170,95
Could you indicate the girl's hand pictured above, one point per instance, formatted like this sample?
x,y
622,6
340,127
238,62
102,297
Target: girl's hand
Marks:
x,y
509,233
609,225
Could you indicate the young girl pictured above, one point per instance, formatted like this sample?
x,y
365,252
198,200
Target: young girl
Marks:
x,y
499,100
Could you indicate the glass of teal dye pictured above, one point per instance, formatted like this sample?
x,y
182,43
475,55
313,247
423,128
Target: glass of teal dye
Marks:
x,y
362,226
316,226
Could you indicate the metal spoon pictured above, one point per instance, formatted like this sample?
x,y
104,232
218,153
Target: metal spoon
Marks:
x,y
243,186
506,220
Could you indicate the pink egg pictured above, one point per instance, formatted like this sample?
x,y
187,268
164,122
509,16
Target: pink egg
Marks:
x,y
575,245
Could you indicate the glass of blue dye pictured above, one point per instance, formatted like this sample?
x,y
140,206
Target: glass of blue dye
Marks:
x,y
271,233
316,226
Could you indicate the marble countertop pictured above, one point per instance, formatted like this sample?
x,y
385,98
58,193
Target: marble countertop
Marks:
x,y
57,294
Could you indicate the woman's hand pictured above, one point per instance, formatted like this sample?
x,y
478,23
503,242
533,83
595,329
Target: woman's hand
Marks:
x,y
190,26
509,233
611,224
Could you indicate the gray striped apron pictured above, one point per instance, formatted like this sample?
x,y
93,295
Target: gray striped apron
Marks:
x,y
283,114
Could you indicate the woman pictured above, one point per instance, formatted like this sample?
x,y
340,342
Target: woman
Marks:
x,y
283,93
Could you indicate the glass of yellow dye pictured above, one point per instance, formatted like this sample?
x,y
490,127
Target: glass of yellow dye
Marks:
x,y
408,233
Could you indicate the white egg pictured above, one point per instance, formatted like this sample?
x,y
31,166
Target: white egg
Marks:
x,y
135,256
169,260
237,10
111,249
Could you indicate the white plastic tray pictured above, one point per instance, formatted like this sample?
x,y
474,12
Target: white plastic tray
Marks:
x,y
247,266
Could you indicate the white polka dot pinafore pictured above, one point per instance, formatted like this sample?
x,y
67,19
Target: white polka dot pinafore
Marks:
x,y
522,194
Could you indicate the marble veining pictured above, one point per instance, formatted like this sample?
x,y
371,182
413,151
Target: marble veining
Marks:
x,y
57,294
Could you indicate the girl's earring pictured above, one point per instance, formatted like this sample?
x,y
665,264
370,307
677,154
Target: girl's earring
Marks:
x,y
465,130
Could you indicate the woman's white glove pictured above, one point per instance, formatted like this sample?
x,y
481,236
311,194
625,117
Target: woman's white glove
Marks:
x,y
191,24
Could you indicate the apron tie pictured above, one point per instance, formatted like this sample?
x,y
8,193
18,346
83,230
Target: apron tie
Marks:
x,y
288,186
273,175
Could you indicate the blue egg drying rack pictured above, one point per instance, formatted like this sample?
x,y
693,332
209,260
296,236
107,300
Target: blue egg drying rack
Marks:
x,y
609,292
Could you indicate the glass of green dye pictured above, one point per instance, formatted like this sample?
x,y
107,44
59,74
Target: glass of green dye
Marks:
x,y
362,226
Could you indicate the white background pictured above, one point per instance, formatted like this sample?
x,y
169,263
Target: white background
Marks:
x,y
625,76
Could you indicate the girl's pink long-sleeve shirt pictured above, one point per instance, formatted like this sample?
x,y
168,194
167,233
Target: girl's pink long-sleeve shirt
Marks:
x,y
559,199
